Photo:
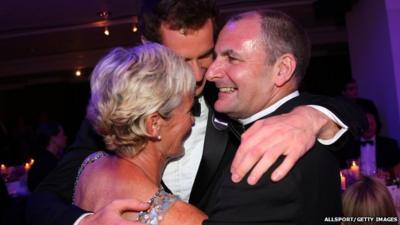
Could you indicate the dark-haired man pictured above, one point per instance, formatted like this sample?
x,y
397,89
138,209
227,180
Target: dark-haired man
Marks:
x,y
188,28
261,58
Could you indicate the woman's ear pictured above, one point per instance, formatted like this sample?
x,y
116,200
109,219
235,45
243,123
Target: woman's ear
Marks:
x,y
285,67
153,124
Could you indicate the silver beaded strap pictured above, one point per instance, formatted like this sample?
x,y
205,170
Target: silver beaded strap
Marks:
x,y
159,204
90,159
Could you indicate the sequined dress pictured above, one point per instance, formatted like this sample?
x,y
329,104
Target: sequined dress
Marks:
x,y
159,203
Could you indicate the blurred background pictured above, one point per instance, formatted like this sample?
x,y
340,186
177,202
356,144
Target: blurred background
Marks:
x,y
48,49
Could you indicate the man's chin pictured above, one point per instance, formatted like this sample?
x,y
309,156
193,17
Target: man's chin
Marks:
x,y
222,108
230,111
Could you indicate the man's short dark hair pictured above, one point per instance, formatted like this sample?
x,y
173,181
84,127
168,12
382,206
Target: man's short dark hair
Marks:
x,y
282,34
178,14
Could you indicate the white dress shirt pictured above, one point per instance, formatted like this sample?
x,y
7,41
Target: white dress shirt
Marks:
x,y
368,158
294,94
179,174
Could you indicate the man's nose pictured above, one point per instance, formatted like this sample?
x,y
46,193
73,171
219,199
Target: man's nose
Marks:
x,y
198,70
214,71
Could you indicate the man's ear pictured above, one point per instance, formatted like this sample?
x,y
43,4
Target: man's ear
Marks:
x,y
285,66
153,122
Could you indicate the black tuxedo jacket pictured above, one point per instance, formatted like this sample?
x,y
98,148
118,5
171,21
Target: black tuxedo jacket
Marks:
x,y
50,203
308,194
44,164
387,152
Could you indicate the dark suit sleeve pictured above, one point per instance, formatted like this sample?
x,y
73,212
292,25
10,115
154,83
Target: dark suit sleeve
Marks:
x,y
51,203
46,208
44,164
348,112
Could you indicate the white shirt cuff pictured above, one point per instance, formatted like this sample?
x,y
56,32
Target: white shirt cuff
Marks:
x,y
335,119
81,218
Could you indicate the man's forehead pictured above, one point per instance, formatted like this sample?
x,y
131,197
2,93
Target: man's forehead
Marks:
x,y
239,34
188,43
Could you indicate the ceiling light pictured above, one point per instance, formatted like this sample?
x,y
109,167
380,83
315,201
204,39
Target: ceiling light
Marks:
x,y
106,31
134,28
135,23
78,72
105,15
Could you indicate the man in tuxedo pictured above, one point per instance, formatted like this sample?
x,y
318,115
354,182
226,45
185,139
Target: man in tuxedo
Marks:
x,y
261,58
350,92
187,27
374,152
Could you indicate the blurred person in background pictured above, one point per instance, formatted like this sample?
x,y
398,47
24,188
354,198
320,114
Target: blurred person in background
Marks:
x,y
49,146
377,155
350,92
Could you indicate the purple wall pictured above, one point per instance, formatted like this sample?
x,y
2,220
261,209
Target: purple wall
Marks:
x,y
373,35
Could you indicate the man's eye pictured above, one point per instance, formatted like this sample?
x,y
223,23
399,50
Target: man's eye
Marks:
x,y
208,56
231,59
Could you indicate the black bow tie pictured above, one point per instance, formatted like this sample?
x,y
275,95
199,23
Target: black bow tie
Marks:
x,y
196,108
369,142
236,128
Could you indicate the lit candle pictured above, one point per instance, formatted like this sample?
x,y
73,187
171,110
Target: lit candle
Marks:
x,y
342,181
31,161
27,166
355,169
3,168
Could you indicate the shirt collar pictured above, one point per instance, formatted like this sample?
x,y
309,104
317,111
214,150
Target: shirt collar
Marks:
x,y
269,109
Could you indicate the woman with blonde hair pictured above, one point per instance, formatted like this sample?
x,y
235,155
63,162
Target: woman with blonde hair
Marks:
x,y
369,197
140,104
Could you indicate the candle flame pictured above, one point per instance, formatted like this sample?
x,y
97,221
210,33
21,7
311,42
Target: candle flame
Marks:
x,y
27,166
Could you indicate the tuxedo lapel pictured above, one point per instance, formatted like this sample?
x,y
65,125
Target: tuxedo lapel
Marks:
x,y
214,148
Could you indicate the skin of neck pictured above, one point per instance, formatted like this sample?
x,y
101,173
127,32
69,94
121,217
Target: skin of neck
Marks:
x,y
277,94
145,161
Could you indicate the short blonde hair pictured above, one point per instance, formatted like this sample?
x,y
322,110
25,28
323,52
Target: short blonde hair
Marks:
x,y
127,85
368,197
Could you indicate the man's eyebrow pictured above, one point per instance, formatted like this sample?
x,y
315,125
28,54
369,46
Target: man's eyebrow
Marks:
x,y
229,52
207,53
204,55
